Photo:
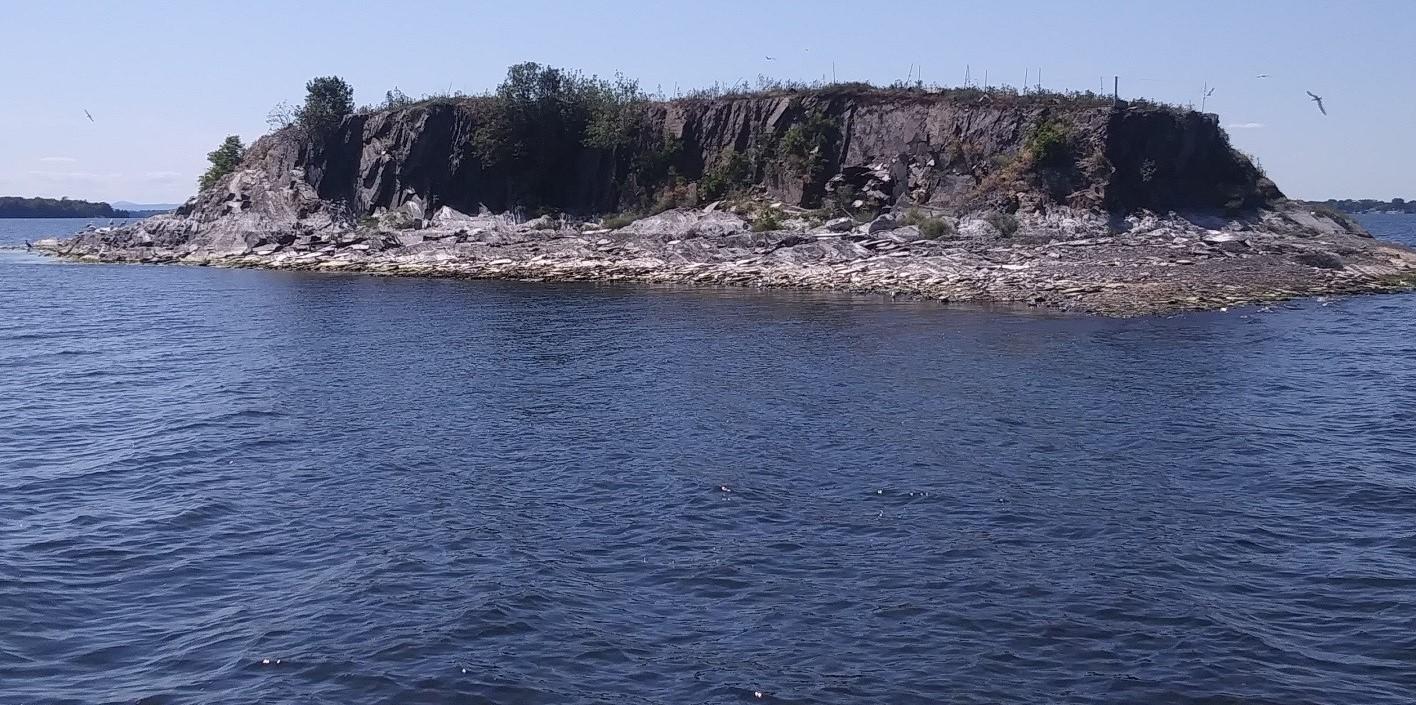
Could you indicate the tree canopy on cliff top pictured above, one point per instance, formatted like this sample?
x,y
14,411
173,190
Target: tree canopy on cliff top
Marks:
x,y
328,99
540,117
224,160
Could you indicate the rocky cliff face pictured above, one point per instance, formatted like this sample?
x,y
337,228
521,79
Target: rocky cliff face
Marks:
x,y
958,196
871,149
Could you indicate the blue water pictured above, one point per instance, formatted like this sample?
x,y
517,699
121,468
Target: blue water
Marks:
x,y
417,491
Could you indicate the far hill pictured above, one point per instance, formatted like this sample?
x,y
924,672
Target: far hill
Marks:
x,y
146,207
1370,205
18,207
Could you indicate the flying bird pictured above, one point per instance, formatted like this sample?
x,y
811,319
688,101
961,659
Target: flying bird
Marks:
x,y
1262,75
90,115
1318,100
771,58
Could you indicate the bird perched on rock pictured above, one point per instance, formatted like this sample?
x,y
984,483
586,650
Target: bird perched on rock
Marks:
x,y
1318,100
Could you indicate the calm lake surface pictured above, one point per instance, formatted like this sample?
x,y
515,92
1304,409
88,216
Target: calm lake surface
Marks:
x,y
223,486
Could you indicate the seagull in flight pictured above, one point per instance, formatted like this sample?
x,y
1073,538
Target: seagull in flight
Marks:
x,y
1317,99
90,115
1262,75
771,58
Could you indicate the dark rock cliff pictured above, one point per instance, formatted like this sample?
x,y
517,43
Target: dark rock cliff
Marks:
x,y
956,152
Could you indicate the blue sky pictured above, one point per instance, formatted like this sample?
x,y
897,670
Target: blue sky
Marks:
x,y
165,81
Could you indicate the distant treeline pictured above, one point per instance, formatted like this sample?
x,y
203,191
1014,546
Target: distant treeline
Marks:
x,y
1371,205
16,207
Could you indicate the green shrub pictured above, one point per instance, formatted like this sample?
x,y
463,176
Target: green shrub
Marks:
x,y
223,161
930,227
766,220
842,200
729,172
935,228
675,195
1050,144
654,166
803,146
1005,223
615,222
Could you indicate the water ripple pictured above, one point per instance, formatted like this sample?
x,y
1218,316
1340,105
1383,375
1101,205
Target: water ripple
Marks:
x,y
238,486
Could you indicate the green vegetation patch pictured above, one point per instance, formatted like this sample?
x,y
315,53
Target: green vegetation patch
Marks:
x,y
1049,144
930,227
766,220
729,172
224,160
615,222
804,145
1004,223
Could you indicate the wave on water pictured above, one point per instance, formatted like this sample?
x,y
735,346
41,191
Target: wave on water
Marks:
x,y
228,486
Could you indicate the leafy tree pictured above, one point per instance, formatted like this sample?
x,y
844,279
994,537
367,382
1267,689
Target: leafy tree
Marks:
x,y
541,118
223,161
395,99
328,99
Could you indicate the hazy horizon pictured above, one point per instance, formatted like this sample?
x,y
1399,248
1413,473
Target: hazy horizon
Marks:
x,y
165,83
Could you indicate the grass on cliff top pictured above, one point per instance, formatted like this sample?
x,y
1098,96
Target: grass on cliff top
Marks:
x,y
768,87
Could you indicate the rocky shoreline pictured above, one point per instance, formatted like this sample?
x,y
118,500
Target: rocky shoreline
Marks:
x,y
1059,258
1066,202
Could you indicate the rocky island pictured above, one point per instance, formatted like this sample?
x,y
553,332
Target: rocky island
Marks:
x,y
1075,202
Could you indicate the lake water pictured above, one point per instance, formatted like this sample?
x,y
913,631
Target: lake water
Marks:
x,y
233,486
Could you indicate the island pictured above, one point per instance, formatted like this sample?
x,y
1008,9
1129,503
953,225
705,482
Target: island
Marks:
x,y
1369,205
1068,201
19,207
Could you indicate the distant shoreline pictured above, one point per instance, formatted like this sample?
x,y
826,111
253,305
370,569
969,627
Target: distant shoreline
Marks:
x,y
1396,206
117,215
24,207
69,217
